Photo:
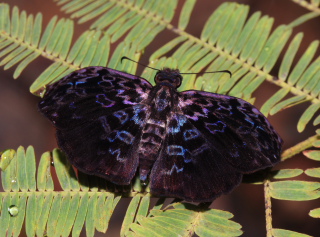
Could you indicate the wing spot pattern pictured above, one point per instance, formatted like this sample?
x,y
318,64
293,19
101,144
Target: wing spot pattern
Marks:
x,y
215,127
122,116
190,134
175,150
104,101
124,136
174,168
117,152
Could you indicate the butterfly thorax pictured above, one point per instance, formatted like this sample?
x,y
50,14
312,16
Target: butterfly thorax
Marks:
x,y
161,102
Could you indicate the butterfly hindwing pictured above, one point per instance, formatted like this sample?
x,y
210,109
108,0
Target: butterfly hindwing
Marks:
x,y
99,120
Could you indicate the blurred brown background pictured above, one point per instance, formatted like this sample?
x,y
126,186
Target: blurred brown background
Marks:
x,y
22,124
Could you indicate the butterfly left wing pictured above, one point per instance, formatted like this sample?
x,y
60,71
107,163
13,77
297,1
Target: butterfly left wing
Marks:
x,y
99,120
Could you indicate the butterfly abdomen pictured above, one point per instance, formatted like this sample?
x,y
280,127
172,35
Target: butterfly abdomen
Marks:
x,y
151,141
160,101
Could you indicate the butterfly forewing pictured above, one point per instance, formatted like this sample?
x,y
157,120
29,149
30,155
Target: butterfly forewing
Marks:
x,y
99,120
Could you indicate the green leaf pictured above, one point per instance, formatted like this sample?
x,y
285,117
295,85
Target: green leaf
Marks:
x,y
81,215
70,216
185,14
307,115
286,173
65,173
312,154
287,233
44,179
31,215
186,219
90,218
54,215
313,172
130,215
265,109
303,62
287,103
273,47
6,157
44,203
315,213
295,190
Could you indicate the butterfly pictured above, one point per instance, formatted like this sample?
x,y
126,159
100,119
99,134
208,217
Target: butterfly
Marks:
x,y
193,145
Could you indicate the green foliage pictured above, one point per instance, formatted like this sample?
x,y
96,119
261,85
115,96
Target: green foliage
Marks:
x,y
86,200
248,46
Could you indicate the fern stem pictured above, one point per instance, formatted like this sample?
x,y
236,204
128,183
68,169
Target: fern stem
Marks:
x,y
290,152
267,203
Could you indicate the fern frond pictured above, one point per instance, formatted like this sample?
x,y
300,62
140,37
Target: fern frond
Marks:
x,y
46,210
92,48
249,50
144,19
303,80
56,212
294,190
185,220
19,38
229,41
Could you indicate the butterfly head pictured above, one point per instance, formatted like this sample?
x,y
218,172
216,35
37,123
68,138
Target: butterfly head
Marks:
x,y
168,76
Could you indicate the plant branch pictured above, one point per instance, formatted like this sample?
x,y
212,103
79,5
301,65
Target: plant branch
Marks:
x,y
290,152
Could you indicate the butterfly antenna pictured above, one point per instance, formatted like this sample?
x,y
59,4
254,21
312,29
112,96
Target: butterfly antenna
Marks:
x,y
222,71
138,63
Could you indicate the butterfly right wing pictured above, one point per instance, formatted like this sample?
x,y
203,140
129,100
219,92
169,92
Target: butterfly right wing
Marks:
x,y
235,127
99,118
211,141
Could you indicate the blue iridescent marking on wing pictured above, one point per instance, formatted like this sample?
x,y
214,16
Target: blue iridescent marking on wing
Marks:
x,y
122,136
215,127
190,134
175,150
176,123
104,100
117,152
122,116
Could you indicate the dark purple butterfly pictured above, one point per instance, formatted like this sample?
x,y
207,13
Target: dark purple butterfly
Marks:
x,y
192,145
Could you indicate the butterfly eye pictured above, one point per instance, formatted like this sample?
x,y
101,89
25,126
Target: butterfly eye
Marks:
x,y
179,80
